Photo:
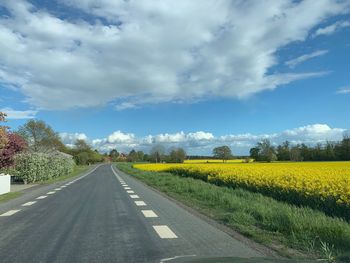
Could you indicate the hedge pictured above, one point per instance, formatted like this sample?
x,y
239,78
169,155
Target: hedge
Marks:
x,y
33,167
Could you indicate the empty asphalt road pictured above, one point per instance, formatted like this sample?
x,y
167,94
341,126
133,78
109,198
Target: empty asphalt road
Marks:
x,y
107,216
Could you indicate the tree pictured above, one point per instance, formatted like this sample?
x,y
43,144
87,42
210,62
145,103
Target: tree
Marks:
x,y
254,153
132,156
114,154
3,131
283,151
222,152
15,145
177,155
295,154
81,145
263,151
40,136
157,153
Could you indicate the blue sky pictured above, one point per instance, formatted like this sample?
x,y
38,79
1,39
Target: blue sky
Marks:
x,y
134,74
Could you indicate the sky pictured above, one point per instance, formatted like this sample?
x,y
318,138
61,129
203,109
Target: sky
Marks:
x,y
192,74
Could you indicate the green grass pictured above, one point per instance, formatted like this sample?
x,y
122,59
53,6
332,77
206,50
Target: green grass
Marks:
x,y
9,196
274,223
78,170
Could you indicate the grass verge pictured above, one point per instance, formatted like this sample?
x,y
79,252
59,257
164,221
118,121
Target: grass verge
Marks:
x,y
78,170
9,196
276,224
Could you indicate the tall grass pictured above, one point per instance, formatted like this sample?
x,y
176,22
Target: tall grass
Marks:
x,y
262,218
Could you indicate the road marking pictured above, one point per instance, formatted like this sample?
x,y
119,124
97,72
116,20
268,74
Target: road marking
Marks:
x,y
140,203
29,203
127,188
149,213
134,196
130,192
176,257
41,197
63,186
58,189
51,193
10,213
164,232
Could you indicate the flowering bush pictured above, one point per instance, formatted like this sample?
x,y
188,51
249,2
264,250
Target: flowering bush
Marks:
x,y
33,167
16,144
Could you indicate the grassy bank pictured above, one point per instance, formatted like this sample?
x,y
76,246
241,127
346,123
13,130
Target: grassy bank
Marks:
x,y
273,223
78,170
9,196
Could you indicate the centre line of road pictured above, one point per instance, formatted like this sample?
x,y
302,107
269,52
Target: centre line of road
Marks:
x,y
41,197
130,192
51,193
134,196
10,213
140,203
164,232
58,189
149,213
29,203
127,188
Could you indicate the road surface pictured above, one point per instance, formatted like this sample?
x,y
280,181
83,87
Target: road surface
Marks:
x,y
106,216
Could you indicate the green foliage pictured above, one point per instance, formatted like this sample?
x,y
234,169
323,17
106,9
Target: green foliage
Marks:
x,y
40,136
177,155
330,151
83,154
265,151
34,167
222,152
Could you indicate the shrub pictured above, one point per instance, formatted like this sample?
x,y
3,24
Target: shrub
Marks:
x,y
33,167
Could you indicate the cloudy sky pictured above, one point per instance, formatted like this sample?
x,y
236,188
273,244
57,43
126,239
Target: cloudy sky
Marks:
x,y
196,74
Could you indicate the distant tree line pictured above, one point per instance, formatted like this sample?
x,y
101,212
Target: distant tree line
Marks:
x,y
157,154
329,151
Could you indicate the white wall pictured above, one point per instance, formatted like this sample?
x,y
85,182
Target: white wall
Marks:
x,y
5,184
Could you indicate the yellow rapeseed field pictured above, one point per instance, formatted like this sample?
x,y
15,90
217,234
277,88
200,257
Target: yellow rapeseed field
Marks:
x,y
216,161
318,183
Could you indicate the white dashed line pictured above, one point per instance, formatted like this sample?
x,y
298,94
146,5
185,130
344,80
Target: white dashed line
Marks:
x,y
29,203
127,188
50,193
42,197
164,232
58,189
140,203
10,213
134,196
130,192
149,213
63,186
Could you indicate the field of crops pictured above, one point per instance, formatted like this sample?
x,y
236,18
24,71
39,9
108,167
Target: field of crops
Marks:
x,y
217,161
321,185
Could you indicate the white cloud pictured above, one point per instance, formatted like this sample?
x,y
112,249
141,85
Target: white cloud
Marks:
x,y
120,137
152,51
328,30
70,138
18,114
202,143
344,90
293,62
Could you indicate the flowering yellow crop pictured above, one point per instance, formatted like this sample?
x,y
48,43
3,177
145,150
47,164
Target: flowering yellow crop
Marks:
x,y
216,161
315,182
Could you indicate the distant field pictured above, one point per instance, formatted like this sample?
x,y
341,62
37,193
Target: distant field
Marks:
x,y
216,161
321,185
